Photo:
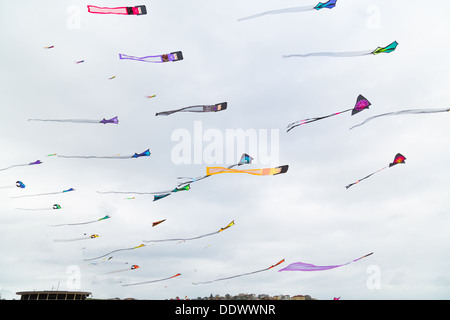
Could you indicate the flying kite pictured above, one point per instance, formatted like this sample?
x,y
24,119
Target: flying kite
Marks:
x,y
117,250
411,111
18,184
157,195
152,96
137,10
113,77
173,56
22,165
245,159
157,222
399,158
49,47
361,104
329,5
146,153
256,172
104,260
301,266
92,236
151,281
114,120
193,238
80,223
391,47
53,207
44,194
202,108
243,274
79,61
163,194
133,267
182,186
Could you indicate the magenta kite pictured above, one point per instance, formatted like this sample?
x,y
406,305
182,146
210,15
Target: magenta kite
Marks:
x,y
137,10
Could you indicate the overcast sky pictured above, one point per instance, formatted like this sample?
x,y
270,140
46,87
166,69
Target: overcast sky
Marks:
x,y
401,214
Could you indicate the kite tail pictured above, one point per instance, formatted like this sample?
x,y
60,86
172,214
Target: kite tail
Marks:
x,y
411,111
36,209
74,239
287,10
66,120
122,270
151,281
151,59
243,274
351,184
117,250
331,54
301,266
232,277
181,239
185,109
16,165
125,192
168,113
309,120
94,157
73,224
36,195
43,194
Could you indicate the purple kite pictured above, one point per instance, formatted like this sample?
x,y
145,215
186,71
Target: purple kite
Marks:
x,y
173,56
21,165
301,266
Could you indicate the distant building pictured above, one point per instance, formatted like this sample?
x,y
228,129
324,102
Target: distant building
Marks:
x,y
282,297
301,297
53,295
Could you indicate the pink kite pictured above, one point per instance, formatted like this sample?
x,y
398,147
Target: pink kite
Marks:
x,y
137,10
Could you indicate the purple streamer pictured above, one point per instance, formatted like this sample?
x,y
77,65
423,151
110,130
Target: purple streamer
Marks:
x,y
301,266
